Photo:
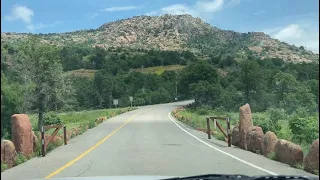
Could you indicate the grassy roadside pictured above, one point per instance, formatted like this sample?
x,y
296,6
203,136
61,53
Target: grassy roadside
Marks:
x,y
77,123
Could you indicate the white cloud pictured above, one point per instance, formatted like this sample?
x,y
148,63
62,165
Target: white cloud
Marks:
x,y
201,8
259,12
209,6
32,27
297,34
293,31
20,13
93,14
120,8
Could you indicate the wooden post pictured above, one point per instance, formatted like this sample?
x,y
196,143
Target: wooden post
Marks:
x,y
65,135
208,128
229,132
43,150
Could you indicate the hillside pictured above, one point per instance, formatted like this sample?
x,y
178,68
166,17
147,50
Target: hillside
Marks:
x,y
176,32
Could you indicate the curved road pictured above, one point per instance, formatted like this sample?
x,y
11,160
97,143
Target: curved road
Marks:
x,y
147,141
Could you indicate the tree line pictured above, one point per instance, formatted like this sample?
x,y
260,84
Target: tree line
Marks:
x,y
34,80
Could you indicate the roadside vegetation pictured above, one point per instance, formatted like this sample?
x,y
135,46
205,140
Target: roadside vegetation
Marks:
x,y
77,123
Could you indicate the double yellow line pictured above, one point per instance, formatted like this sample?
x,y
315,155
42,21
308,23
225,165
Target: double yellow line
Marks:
x,y
90,149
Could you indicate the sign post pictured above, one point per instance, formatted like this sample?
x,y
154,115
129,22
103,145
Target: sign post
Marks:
x,y
131,99
115,102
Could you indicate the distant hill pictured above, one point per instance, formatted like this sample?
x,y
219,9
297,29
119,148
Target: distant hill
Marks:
x,y
176,32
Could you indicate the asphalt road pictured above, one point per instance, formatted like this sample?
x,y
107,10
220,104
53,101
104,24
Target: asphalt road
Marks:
x,y
147,141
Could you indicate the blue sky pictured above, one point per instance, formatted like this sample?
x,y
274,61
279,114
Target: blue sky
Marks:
x,y
292,21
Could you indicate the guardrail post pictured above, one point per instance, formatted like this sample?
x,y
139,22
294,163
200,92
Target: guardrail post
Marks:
x,y
208,128
43,150
229,132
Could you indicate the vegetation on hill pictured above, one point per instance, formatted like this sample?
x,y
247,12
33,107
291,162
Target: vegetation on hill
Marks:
x,y
175,33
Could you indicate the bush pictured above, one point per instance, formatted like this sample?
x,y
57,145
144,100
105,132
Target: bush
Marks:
x,y
92,124
20,159
52,119
4,167
203,110
305,129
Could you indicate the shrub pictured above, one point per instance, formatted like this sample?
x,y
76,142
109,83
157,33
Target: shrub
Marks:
x,y
272,156
203,110
304,129
52,119
4,167
92,124
20,159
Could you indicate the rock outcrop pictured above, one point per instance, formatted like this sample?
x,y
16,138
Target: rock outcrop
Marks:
x,y
22,137
8,152
311,161
268,144
288,152
254,139
244,125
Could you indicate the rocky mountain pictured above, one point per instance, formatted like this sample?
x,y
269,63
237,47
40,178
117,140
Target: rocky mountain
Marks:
x,y
176,32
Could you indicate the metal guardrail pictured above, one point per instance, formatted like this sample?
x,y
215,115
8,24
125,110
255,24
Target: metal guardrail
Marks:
x,y
216,124
45,144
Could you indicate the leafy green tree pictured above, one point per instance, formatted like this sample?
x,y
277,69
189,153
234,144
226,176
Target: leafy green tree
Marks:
x,y
40,64
11,103
201,71
206,93
284,83
104,85
250,77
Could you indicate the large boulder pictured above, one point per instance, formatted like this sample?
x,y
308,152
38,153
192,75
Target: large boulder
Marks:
x,y
288,152
244,125
254,139
311,161
22,137
8,152
268,143
235,139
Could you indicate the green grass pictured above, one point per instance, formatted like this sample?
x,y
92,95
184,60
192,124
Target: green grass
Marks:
x,y
20,159
88,73
4,167
75,119
272,156
160,69
72,120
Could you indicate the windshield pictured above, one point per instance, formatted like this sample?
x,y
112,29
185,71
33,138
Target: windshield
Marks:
x,y
159,89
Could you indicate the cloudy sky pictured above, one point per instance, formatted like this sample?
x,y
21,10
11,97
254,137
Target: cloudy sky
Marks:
x,y
293,21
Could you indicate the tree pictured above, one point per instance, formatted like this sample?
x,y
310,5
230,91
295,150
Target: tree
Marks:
x,y
201,71
206,93
250,77
104,85
284,83
40,64
11,103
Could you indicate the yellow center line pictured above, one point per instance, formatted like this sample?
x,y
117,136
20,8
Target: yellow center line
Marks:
x,y
89,150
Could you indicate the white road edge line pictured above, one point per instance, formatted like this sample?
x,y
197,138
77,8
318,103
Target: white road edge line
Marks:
x,y
225,153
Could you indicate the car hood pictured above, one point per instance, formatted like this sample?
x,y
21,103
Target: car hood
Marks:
x,y
113,178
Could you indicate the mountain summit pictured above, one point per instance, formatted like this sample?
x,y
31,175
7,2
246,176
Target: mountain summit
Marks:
x,y
177,32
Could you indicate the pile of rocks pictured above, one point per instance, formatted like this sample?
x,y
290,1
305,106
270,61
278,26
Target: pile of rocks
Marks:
x,y
252,138
23,140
